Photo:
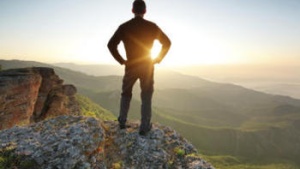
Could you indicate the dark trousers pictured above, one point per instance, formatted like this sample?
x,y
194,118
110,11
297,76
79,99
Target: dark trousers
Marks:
x,y
143,72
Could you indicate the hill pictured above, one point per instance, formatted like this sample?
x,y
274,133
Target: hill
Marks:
x,y
94,70
91,109
219,119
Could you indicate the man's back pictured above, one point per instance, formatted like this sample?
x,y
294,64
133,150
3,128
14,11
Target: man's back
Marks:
x,y
138,36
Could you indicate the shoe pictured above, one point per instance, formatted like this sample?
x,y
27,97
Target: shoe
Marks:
x,y
122,126
143,133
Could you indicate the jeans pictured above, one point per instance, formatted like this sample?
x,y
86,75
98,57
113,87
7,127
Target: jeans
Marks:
x,y
144,72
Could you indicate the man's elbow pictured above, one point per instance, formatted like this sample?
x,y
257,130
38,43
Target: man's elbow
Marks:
x,y
110,45
167,44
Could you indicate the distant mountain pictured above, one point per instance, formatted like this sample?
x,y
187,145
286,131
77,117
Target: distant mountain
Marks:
x,y
219,119
273,79
95,70
11,64
283,79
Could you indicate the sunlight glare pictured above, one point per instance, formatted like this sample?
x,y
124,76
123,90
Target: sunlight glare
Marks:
x,y
155,49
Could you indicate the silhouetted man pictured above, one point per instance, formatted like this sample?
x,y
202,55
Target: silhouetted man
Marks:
x,y
138,36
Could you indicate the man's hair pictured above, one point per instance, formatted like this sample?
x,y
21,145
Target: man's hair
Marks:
x,y
139,7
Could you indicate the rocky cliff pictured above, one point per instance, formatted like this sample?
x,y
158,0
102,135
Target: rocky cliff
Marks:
x,y
67,140
32,94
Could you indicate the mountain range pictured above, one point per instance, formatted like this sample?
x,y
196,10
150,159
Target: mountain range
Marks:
x,y
220,119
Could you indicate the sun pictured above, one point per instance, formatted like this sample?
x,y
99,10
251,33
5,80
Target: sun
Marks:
x,y
195,46
155,49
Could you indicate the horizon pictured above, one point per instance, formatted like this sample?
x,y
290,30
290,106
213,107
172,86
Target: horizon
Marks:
x,y
279,79
202,32
168,66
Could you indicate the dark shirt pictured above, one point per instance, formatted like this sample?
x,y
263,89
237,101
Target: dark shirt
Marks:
x,y
138,36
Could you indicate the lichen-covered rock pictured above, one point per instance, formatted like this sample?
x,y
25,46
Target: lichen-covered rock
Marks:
x,y
85,142
161,148
62,142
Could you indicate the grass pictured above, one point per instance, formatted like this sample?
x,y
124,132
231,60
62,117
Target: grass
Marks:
x,y
231,162
89,108
179,151
117,165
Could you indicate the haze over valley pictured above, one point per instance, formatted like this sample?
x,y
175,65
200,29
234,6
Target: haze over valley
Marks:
x,y
273,79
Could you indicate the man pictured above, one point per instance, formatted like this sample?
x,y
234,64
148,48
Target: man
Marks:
x,y
138,36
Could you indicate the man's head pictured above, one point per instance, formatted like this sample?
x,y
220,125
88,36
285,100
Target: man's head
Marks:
x,y
139,7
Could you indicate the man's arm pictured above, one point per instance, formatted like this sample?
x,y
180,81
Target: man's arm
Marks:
x,y
166,44
113,47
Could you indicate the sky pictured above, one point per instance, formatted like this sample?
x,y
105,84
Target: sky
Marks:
x,y
201,31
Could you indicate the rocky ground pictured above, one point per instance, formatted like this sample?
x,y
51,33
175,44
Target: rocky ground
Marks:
x,y
161,148
85,142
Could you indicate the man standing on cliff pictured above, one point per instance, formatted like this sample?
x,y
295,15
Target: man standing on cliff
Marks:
x,y
138,36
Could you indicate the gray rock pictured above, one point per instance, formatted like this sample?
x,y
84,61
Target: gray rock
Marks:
x,y
62,142
67,142
156,150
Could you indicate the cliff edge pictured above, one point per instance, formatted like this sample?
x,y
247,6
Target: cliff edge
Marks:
x,y
30,95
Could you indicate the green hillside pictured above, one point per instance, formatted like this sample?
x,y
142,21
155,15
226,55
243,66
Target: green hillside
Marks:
x,y
89,108
268,143
222,120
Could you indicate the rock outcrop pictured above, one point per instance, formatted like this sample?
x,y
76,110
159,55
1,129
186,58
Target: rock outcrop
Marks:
x,y
32,94
85,142
161,148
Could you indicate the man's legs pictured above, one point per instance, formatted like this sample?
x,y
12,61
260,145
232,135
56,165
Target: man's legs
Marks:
x,y
124,108
146,112
128,81
146,82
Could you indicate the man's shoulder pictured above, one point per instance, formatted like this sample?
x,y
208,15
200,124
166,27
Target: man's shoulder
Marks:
x,y
138,20
150,22
126,22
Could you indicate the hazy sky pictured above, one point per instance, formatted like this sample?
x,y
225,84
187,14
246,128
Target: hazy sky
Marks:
x,y
201,31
